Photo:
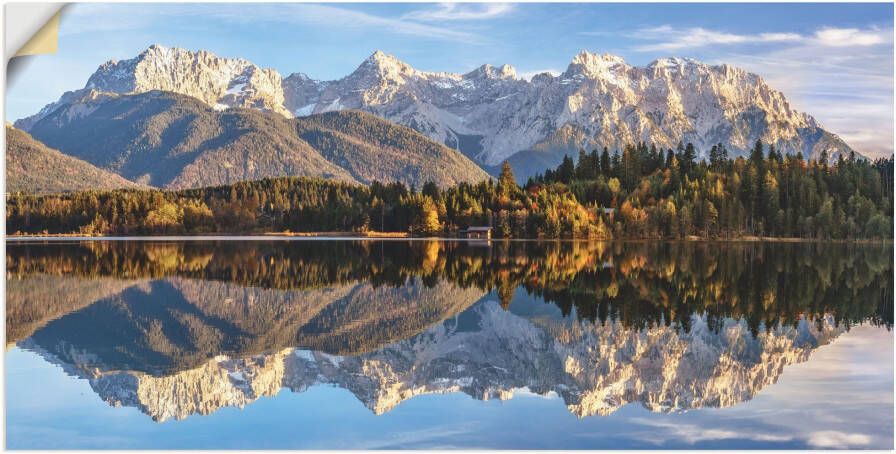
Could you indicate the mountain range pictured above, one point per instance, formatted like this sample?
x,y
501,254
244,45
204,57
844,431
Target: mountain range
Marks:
x,y
491,114
175,141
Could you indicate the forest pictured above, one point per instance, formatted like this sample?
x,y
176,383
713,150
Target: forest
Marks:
x,y
642,192
656,194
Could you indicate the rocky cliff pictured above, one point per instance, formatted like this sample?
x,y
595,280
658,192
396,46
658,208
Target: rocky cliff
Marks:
x,y
492,114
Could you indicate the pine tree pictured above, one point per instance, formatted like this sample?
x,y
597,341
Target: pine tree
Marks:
x,y
605,162
757,154
594,164
566,171
688,158
506,181
582,165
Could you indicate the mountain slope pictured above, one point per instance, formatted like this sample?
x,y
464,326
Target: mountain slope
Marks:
x,y
32,167
368,147
491,114
176,141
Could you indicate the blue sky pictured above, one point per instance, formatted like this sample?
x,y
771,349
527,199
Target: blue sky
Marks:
x,y
834,61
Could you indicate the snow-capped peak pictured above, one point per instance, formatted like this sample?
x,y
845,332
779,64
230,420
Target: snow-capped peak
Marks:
x,y
220,82
673,61
300,77
385,65
591,64
487,71
600,99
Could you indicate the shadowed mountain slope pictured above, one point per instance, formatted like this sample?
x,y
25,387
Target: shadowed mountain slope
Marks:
x,y
33,168
176,141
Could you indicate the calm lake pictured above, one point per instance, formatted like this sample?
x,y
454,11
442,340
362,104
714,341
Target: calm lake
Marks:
x,y
440,344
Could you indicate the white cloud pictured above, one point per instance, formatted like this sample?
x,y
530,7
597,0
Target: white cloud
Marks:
x,y
667,37
832,439
842,37
461,11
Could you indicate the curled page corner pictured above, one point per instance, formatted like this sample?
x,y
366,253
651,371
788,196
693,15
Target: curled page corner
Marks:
x,y
31,28
44,41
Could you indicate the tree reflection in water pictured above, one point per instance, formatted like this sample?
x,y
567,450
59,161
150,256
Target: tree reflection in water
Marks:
x,y
672,325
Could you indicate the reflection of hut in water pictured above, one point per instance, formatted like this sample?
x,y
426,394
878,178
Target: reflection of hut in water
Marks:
x,y
477,233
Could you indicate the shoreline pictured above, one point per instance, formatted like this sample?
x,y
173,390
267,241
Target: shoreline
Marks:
x,y
346,236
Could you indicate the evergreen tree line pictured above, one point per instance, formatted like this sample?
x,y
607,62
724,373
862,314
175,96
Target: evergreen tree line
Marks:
x,y
670,194
642,192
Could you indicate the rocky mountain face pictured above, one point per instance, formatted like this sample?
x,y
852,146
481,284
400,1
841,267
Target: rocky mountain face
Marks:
x,y
600,100
491,114
218,82
488,352
174,141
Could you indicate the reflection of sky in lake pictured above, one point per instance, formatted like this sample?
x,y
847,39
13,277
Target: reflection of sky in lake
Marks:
x,y
161,331
841,397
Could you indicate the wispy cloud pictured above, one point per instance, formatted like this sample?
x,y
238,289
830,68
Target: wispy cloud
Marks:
x,y
666,38
90,18
832,439
460,11
843,37
320,14
670,38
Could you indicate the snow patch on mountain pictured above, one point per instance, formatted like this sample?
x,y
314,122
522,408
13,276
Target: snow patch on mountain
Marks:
x,y
491,113
609,101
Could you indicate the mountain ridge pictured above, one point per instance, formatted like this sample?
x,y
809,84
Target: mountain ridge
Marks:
x,y
177,141
491,114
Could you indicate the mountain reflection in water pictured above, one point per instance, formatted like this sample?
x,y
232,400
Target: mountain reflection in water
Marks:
x,y
181,328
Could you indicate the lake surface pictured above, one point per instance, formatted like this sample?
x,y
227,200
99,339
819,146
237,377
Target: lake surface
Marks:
x,y
430,344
